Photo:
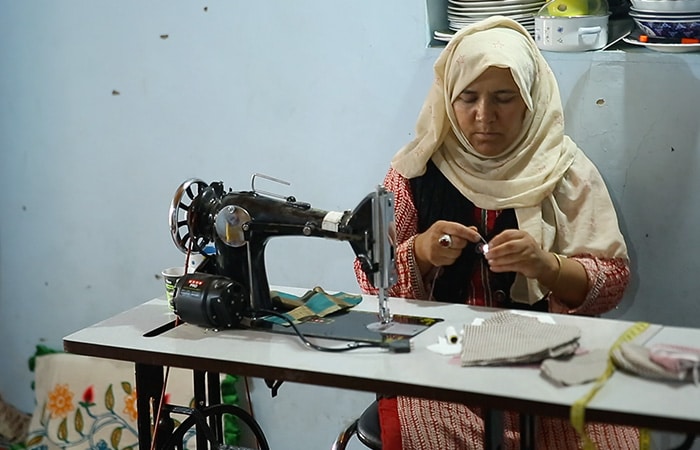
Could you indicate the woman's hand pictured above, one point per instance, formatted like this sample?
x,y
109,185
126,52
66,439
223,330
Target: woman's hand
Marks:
x,y
428,250
517,251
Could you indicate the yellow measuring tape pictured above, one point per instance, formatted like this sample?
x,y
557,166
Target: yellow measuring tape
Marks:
x,y
578,409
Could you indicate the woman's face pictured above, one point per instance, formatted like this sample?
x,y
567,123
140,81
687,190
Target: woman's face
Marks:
x,y
490,111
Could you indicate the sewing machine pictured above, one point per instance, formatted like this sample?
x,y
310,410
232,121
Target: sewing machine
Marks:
x,y
231,284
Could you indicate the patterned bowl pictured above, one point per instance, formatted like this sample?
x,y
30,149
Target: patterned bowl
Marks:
x,y
669,28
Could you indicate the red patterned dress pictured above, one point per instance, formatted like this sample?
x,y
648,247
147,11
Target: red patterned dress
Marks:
x,y
414,423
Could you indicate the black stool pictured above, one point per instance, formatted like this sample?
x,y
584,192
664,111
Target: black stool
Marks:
x,y
366,427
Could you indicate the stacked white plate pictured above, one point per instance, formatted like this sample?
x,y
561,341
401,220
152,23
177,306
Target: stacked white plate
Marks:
x,y
461,13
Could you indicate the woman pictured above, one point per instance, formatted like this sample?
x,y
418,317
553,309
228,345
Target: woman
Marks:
x,y
490,164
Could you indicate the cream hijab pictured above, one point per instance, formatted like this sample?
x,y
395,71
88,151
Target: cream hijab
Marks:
x,y
558,195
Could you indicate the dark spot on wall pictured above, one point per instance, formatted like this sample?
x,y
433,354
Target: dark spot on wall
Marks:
x,y
646,235
88,287
46,283
158,276
115,92
600,102
24,207
673,149
164,36
206,8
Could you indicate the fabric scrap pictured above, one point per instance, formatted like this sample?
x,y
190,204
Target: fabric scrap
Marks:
x,y
314,303
677,359
507,338
637,359
578,369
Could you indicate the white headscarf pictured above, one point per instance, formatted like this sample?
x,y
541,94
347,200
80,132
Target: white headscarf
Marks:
x,y
557,193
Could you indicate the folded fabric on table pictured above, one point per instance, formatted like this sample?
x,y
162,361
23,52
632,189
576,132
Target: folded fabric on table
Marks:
x,y
578,369
508,338
661,361
314,303
677,359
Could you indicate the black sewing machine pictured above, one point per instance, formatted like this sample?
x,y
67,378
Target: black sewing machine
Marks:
x,y
232,284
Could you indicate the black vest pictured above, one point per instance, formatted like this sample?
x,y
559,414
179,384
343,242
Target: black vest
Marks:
x,y
436,199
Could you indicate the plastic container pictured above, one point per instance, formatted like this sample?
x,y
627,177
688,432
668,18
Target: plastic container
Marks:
x,y
572,25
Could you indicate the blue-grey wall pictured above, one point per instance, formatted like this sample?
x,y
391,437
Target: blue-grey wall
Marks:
x,y
106,107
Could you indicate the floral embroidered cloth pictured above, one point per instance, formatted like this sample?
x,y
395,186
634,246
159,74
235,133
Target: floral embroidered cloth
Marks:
x,y
85,403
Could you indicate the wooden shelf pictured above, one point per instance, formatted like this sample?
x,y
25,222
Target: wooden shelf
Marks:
x,y
437,21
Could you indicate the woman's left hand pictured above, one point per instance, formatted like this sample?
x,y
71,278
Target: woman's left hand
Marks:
x,y
517,251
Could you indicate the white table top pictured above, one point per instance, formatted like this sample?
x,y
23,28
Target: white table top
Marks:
x,y
625,399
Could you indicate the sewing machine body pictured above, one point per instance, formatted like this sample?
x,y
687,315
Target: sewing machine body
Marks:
x,y
240,223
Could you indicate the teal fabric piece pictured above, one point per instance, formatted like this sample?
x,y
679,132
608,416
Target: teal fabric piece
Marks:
x,y
316,303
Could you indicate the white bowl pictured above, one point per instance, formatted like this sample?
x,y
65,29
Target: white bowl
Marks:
x,y
689,6
663,15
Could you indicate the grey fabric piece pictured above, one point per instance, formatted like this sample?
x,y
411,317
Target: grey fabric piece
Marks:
x,y
507,338
634,358
578,369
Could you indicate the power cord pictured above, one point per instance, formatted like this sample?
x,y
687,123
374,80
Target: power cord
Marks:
x,y
394,346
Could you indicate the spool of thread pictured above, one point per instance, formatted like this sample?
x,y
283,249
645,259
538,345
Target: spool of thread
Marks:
x,y
451,335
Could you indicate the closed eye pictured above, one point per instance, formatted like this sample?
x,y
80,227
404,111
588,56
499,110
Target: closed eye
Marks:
x,y
498,97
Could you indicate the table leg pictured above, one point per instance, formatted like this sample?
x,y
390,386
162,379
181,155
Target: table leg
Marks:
x,y
527,432
200,402
149,385
149,388
207,392
493,429
214,398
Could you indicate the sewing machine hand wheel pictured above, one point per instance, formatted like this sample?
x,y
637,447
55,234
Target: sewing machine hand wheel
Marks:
x,y
180,225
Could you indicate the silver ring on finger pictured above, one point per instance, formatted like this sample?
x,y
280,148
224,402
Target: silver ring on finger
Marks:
x,y
445,241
